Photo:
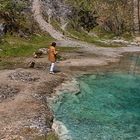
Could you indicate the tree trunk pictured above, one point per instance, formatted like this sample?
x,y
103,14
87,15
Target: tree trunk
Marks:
x,y
136,11
139,14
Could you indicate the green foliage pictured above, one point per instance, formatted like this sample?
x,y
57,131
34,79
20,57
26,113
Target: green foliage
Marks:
x,y
84,17
8,64
85,4
15,17
56,24
98,40
4,5
87,20
67,49
50,136
83,36
20,47
114,16
11,5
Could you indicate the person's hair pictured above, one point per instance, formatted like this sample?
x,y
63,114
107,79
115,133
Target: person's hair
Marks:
x,y
53,44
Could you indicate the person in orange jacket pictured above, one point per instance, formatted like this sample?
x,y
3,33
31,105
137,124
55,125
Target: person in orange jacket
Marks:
x,y
52,56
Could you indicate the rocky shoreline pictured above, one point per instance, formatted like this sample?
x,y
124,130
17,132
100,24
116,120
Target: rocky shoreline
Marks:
x,y
24,112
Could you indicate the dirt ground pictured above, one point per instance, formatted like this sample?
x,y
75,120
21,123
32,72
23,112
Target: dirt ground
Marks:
x,y
24,113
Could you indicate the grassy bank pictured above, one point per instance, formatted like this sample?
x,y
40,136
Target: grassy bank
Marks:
x,y
50,136
20,47
14,49
96,40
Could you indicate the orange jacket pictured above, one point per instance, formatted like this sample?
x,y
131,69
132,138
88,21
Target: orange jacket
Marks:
x,y
52,54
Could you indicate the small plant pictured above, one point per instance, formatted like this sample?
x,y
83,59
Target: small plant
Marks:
x,y
50,136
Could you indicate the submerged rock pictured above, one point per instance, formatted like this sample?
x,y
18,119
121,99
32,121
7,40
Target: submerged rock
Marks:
x,y
69,87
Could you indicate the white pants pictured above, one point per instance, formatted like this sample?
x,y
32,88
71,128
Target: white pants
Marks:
x,y
52,67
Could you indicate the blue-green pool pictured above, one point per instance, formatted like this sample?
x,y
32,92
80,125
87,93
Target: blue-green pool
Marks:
x,y
107,108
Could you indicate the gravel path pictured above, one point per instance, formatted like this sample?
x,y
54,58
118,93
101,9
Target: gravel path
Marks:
x,y
36,8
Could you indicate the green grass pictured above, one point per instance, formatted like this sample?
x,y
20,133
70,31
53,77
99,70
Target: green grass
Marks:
x,y
84,36
128,36
16,49
97,40
67,49
108,45
50,136
102,34
10,64
56,25
21,47
81,35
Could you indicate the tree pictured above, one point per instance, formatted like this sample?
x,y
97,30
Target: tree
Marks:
x,y
114,16
13,15
83,15
136,12
87,19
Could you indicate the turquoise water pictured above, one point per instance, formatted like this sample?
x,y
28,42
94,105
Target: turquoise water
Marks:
x,y
107,108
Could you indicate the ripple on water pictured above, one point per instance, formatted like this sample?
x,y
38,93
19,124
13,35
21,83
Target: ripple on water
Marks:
x,y
107,108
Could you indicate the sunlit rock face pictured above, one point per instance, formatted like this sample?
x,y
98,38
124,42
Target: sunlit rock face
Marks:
x,y
57,9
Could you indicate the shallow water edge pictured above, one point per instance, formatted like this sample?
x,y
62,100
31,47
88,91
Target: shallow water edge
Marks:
x,y
72,87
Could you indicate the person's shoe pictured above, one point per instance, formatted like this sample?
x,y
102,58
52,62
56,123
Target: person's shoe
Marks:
x,y
51,72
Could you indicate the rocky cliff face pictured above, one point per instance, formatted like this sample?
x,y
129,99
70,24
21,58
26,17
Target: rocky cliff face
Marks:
x,y
57,9
16,17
